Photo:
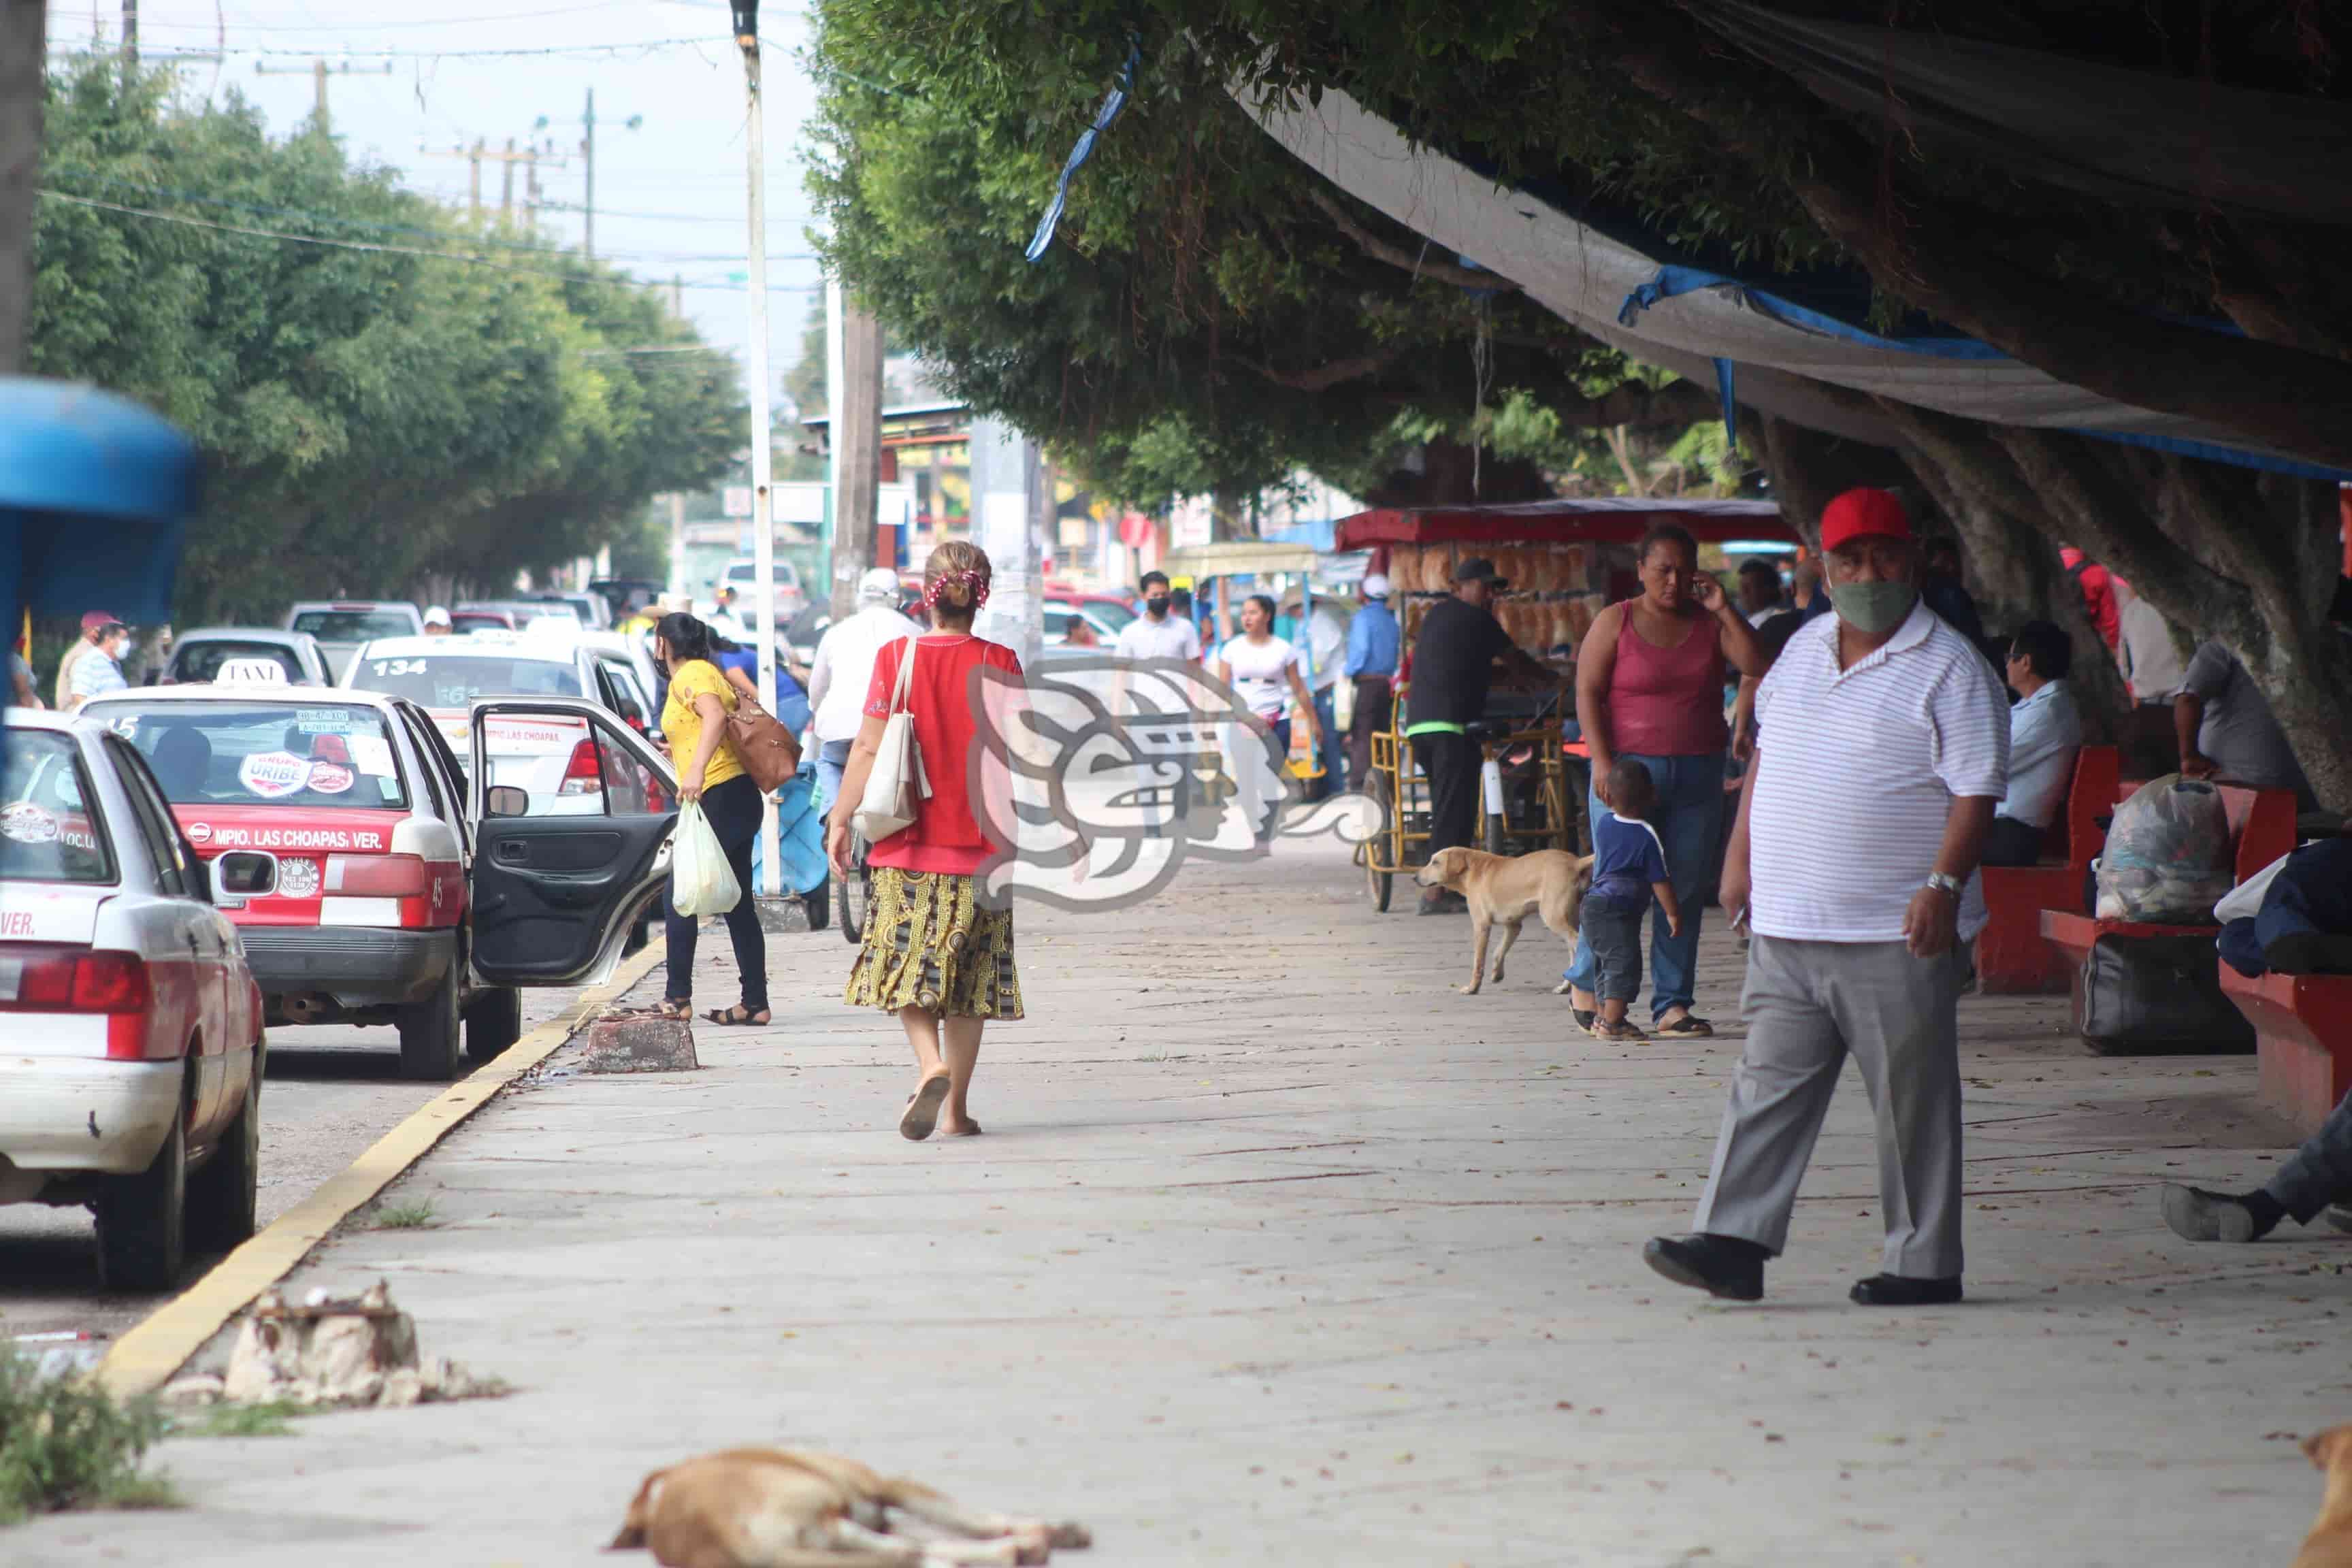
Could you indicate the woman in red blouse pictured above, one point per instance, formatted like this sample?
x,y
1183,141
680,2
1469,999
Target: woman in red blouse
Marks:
x,y
933,954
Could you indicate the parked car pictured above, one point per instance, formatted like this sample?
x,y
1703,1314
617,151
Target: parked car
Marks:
x,y
743,576
372,883
591,608
619,592
131,1080
1106,612
202,655
444,675
478,620
342,625
527,613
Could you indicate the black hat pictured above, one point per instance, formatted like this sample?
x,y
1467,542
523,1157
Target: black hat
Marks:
x,y
1477,567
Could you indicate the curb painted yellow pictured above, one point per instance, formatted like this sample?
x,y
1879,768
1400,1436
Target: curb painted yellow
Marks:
x,y
146,1357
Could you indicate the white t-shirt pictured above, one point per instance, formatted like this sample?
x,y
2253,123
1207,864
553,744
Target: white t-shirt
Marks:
x,y
1175,638
845,666
1261,673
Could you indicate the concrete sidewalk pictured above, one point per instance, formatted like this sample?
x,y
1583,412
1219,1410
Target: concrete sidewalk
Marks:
x,y
1277,1249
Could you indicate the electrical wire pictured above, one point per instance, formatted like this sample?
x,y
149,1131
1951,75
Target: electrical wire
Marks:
x,y
645,47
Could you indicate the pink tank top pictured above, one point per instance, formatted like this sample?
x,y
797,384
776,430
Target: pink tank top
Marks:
x,y
1668,701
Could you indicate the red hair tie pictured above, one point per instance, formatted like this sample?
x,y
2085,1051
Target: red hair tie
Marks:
x,y
961,575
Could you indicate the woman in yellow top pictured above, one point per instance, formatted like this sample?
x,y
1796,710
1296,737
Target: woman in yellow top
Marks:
x,y
694,720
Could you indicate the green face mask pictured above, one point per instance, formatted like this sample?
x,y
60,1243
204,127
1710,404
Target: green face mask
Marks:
x,y
1872,608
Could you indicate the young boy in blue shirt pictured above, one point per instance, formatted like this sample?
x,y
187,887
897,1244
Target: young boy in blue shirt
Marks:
x,y
1629,868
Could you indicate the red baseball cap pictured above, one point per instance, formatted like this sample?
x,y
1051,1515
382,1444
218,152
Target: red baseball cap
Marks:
x,y
1863,513
96,619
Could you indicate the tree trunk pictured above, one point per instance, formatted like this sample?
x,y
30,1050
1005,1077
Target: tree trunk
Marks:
x,y
23,62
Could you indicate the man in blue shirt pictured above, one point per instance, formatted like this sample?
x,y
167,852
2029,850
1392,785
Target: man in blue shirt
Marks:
x,y
1373,641
2045,732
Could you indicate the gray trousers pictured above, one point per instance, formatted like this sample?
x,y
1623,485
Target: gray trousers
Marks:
x,y
1808,1004
2319,1172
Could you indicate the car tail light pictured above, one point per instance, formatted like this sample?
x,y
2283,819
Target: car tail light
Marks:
x,y
584,773
84,980
110,982
376,875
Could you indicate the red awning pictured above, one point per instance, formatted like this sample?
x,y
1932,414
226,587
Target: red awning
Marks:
x,y
1619,520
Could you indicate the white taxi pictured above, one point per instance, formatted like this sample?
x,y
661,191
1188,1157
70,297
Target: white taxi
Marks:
x,y
552,760
353,854
130,1027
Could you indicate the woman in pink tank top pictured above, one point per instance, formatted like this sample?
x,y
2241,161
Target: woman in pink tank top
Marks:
x,y
1649,687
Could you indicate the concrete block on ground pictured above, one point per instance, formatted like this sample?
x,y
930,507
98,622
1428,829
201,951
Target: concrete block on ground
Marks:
x,y
782,917
641,1043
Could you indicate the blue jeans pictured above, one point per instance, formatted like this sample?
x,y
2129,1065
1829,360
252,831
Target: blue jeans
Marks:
x,y
832,760
1327,751
1690,820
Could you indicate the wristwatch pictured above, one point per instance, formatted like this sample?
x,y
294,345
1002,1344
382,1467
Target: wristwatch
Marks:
x,y
1944,884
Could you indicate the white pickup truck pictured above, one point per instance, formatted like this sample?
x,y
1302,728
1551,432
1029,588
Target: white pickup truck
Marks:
x,y
341,626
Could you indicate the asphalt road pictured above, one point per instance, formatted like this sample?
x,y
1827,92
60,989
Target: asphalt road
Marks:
x,y
331,1092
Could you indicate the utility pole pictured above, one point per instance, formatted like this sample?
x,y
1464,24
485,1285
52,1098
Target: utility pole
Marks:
x,y
506,186
531,158
318,70
588,155
854,426
131,35
23,39
746,18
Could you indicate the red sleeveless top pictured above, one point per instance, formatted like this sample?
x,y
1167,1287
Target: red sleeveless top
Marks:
x,y
1668,701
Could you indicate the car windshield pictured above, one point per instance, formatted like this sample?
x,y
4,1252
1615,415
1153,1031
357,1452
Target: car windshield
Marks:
x,y
455,679
50,829
356,626
480,621
526,615
202,661
1111,613
263,754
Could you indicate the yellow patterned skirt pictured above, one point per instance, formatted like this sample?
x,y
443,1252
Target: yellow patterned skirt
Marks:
x,y
928,944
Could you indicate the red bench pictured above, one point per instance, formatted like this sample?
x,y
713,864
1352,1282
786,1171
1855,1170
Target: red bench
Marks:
x,y
2013,955
2261,822
2303,1040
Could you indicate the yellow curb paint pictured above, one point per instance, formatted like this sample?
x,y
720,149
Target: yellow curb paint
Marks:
x,y
144,1359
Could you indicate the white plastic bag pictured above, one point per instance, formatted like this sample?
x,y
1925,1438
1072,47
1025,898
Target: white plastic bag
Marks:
x,y
2168,859
700,880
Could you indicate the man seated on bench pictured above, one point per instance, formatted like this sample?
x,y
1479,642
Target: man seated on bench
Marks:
x,y
2316,1176
2045,731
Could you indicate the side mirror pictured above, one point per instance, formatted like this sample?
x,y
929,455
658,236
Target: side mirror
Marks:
x,y
506,800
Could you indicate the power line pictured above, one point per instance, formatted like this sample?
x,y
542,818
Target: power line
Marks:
x,y
643,47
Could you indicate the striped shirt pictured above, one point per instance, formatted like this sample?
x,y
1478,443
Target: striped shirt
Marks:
x,y
1863,765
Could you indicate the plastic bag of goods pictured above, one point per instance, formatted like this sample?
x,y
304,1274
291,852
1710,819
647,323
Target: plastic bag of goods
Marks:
x,y
2168,858
701,882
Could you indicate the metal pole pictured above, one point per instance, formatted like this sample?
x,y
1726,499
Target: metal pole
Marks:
x,y
506,186
474,193
588,152
678,542
836,379
131,33
763,536
319,88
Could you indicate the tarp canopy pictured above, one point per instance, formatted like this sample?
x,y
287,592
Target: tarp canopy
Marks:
x,y
1604,519
1767,349
1238,558
95,494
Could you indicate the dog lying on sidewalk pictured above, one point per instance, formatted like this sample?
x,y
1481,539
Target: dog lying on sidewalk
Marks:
x,y
1504,889
2329,1545
786,1508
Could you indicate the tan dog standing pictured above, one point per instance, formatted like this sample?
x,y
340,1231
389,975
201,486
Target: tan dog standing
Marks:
x,y
785,1508
2329,1545
1505,889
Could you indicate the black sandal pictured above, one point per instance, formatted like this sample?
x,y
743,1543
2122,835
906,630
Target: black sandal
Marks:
x,y
674,1007
736,1017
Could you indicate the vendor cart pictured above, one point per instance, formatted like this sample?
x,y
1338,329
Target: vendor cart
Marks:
x,y
1565,560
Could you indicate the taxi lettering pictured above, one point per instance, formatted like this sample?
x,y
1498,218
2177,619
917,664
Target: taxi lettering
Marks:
x,y
230,836
16,922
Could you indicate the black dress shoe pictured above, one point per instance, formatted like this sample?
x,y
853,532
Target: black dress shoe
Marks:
x,y
1725,1266
1903,1290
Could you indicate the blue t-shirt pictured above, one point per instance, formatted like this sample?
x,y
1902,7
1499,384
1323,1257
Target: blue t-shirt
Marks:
x,y
1626,859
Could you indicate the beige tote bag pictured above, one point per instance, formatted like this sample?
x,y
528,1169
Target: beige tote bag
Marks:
x,y
896,789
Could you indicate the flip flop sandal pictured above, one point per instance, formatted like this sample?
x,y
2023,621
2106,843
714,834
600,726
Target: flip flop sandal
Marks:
x,y
671,1007
970,1130
1622,1032
1583,1015
1686,1028
735,1017
922,1112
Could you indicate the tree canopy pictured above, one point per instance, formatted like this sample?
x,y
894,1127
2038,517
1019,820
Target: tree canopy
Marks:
x,y
421,398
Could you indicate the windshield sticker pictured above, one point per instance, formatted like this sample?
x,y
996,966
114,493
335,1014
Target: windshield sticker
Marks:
x,y
372,755
270,775
297,879
127,726
25,823
329,778
324,720
199,832
230,836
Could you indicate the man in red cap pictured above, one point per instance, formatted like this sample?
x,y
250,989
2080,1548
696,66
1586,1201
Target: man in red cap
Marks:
x,y
1883,749
93,632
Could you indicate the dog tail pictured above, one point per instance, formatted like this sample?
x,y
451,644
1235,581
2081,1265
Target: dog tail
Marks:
x,y
633,1523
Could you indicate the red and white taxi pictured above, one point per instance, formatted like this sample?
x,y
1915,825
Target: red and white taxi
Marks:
x,y
369,887
130,1028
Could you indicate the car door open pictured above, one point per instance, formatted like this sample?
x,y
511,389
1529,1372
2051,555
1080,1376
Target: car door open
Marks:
x,y
554,887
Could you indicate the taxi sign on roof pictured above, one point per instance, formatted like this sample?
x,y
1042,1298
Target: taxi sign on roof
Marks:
x,y
251,672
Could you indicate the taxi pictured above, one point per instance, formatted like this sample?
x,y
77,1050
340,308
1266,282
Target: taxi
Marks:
x,y
131,1027
376,879
554,761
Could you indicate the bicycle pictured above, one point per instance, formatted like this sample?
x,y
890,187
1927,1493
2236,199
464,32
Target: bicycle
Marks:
x,y
854,893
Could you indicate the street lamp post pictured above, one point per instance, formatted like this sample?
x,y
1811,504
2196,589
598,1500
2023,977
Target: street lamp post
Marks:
x,y
746,15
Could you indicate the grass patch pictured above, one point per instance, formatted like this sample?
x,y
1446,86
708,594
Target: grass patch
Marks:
x,y
404,1217
65,1443
272,1419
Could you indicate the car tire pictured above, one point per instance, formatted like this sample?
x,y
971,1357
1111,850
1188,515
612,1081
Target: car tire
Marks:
x,y
493,1023
429,1034
221,1195
143,1219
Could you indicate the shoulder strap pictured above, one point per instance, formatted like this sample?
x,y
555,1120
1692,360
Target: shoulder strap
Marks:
x,y
906,673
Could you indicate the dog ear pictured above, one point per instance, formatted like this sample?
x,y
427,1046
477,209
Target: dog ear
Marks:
x,y
2323,1448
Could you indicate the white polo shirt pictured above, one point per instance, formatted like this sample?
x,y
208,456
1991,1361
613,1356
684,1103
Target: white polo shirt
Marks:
x,y
1856,771
844,668
1175,638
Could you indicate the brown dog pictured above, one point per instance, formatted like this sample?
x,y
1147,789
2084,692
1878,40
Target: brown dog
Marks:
x,y
785,1508
1504,889
2329,1545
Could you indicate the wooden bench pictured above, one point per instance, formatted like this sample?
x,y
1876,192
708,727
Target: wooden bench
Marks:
x,y
2262,824
2303,1040
2013,955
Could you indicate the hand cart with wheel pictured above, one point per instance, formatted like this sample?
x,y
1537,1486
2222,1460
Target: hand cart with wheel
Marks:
x,y
1523,799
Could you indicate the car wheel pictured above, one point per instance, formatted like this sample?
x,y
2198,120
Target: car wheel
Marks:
x,y
143,1219
493,1023
221,1194
428,1033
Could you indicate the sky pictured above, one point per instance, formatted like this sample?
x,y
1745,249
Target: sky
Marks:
x,y
670,195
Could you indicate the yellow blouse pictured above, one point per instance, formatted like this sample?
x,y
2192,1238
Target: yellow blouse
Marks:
x,y
682,726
